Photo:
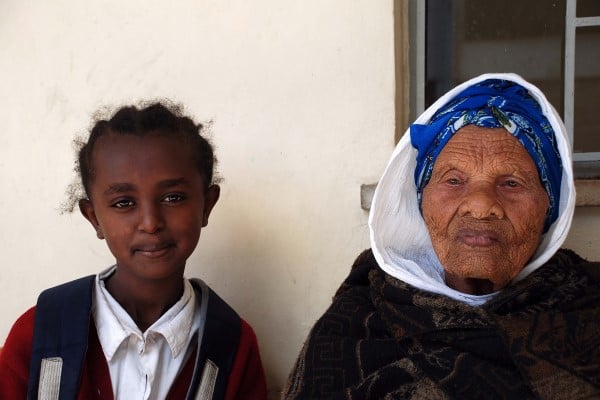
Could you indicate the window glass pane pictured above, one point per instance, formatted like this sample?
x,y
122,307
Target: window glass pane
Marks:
x,y
588,8
587,89
468,37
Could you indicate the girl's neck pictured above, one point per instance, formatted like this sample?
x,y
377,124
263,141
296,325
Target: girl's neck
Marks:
x,y
144,301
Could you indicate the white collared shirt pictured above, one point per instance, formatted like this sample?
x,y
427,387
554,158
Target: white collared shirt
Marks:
x,y
144,365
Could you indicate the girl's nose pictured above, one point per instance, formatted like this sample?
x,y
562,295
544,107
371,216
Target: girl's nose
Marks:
x,y
151,219
481,201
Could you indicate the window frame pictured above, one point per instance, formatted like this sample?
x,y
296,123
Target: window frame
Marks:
x,y
409,54
585,165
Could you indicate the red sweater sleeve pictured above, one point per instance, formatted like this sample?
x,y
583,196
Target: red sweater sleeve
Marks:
x,y
247,380
15,356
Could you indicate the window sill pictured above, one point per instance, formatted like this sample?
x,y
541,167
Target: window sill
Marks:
x,y
588,193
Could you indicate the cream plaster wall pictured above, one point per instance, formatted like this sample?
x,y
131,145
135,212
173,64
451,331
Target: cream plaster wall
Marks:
x,y
301,98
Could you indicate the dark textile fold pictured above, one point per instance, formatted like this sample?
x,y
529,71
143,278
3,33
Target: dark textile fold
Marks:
x,y
384,339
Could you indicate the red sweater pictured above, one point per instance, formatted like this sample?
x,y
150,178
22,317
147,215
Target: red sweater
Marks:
x,y
246,382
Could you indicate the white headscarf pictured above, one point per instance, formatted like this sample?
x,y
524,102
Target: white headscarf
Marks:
x,y
399,238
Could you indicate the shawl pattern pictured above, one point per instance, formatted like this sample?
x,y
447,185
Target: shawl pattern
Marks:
x,y
384,339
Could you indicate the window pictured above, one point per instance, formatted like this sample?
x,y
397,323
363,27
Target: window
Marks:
x,y
553,44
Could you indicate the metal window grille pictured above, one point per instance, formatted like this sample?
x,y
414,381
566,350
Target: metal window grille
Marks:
x,y
417,32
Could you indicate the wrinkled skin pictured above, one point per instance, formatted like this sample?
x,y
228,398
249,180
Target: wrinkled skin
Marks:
x,y
484,208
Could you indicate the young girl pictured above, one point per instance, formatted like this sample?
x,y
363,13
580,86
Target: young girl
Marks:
x,y
138,330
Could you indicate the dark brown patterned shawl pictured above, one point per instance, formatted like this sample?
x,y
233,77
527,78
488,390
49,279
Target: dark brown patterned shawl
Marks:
x,y
384,339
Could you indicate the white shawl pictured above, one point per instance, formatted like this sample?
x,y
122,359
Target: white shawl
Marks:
x,y
399,237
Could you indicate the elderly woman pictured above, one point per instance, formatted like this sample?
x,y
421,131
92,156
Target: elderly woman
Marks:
x,y
465,293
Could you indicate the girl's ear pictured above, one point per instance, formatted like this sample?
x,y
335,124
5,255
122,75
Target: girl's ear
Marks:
x,y
87,210
210,199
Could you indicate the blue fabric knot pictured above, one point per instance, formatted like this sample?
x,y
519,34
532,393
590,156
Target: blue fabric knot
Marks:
x,y
493,103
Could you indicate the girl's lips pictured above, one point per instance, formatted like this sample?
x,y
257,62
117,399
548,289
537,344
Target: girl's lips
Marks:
x,y
153,251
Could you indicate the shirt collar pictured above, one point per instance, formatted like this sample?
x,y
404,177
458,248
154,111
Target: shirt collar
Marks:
x,y
115,325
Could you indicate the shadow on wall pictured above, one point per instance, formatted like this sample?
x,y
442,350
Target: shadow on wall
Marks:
x,y
245,255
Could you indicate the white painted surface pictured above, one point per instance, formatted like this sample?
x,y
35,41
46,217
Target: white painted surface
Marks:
x,y
301,97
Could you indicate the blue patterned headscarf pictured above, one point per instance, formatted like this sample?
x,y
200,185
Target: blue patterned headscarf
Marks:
x,y
493,103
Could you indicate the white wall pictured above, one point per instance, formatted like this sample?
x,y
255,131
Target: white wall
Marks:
x,y
301,95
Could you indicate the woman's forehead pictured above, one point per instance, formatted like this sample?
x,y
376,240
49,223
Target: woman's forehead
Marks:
x,y
478,145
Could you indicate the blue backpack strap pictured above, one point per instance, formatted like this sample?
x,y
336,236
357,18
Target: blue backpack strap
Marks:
x,y
61,329
218,345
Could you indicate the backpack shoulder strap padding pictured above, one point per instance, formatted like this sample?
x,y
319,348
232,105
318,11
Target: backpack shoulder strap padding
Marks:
x,y
61,329
219,342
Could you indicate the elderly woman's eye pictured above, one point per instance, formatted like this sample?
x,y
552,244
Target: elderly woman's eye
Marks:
x,y
453,181
511,183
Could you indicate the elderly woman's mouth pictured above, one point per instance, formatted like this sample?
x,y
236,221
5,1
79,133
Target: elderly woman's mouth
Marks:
x,y
478,238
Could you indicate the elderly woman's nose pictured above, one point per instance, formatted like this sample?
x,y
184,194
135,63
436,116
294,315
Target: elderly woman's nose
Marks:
x,y
480,201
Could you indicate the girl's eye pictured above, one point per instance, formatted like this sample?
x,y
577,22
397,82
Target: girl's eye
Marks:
x,y
122,204
173,198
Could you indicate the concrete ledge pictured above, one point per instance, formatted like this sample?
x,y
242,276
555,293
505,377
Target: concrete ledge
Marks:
x,y
366,195
588,192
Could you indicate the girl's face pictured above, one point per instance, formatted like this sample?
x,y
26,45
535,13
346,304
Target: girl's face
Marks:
x,y
148,200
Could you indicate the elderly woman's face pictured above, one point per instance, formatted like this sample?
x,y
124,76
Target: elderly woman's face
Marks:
x,y
484,208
